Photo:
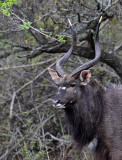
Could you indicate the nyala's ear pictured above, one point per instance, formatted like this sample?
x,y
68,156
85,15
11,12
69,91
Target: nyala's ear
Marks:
x,y
54,75
85,77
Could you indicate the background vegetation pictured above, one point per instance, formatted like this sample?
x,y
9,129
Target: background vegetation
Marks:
x,y
33,35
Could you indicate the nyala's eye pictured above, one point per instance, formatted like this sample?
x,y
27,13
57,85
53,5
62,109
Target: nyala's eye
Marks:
x,y
72,84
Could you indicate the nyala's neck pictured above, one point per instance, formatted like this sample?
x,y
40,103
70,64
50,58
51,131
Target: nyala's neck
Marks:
x,y
84,116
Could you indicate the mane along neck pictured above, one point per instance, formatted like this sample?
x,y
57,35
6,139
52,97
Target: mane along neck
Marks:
x,y
84,115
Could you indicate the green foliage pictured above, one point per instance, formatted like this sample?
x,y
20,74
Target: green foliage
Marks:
x,y
24,112
5,6
42,29
51,33
25,25
27,151
120,27
60,38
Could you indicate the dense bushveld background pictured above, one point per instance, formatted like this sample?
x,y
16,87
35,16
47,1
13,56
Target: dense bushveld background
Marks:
x,y
33,35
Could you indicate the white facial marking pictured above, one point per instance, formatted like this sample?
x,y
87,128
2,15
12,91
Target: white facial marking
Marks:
x,y
63,88
75,91
58,105
71,102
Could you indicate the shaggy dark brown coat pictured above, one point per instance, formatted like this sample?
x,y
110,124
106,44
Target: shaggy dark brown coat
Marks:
x,y
98,114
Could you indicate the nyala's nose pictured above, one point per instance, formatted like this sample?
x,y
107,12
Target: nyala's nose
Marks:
x,y
55,101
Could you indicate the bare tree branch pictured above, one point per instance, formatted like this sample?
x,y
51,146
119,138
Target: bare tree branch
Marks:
x,y
25,85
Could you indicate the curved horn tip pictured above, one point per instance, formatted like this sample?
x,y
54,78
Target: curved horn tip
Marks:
x,y
100,19
48,68
69,22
